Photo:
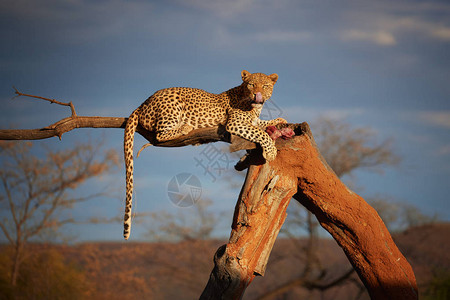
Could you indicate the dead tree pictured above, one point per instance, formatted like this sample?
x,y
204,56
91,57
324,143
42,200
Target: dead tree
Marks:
x,y
298,172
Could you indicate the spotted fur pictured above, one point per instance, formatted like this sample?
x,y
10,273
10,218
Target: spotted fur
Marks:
x,y
174,112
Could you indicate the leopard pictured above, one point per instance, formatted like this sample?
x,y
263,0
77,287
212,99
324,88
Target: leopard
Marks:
x,y
174,112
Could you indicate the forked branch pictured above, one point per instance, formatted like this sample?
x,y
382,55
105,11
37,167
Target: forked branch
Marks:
x,y
70,104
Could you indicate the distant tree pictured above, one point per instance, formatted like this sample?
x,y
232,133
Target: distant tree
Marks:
x,y
399,216
346,148
189,224
188,231
438,287
46,275
34,198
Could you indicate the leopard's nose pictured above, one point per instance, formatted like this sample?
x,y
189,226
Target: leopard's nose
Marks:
x,y
258,98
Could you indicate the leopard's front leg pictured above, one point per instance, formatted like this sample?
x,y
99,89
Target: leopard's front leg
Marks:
x,y
246,130
274,122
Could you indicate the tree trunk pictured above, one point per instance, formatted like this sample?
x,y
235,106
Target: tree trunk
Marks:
x,y
300,171
259,215
16,263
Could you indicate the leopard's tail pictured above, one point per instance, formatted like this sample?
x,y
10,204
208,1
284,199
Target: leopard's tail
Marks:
x,y
128,143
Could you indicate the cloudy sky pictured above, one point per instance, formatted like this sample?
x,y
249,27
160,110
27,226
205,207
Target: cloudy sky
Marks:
x,y
378,64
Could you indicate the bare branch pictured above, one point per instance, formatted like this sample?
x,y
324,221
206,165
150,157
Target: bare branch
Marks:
x,y
337,281
35,189
72,108
5,231
10,201
303,281
65,125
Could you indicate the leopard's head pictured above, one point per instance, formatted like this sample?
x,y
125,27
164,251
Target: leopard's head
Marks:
x,y
258,87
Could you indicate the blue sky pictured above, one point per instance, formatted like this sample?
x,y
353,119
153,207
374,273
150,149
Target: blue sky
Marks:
x,y
378,64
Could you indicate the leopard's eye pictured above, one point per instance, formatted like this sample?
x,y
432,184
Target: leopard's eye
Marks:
x,y
250,85
266,86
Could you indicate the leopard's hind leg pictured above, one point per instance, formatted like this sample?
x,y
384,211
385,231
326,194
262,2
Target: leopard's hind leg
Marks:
x,y
171,134
170,125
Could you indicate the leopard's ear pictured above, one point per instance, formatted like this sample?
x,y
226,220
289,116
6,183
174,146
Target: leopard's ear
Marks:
x,y
245,75
273,77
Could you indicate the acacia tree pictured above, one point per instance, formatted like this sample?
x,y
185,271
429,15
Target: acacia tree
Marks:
x,y
35,196
347,149
197,225
183,263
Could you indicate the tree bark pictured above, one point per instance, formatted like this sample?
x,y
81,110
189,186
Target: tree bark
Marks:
x,y
198,136
16,262
259,215
300,171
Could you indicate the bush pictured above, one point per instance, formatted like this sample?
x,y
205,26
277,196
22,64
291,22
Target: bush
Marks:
x,y
439,287
43,275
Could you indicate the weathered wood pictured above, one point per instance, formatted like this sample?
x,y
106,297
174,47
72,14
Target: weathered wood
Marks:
x,y
260,212
62,126
300,170
199,136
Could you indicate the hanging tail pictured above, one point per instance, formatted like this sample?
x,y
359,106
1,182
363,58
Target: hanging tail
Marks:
x,y
128,143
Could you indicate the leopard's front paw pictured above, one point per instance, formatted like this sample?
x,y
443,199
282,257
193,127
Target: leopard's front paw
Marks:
x,y
279,121
270,153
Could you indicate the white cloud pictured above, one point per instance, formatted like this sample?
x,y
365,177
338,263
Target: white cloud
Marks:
x,y
436,118
386,23
419,138
282,36
341,114
442,33
309,113
443,150
222,38
221,8
418,26
382,38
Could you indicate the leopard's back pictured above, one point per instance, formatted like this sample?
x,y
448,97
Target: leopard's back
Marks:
x,y
180,105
